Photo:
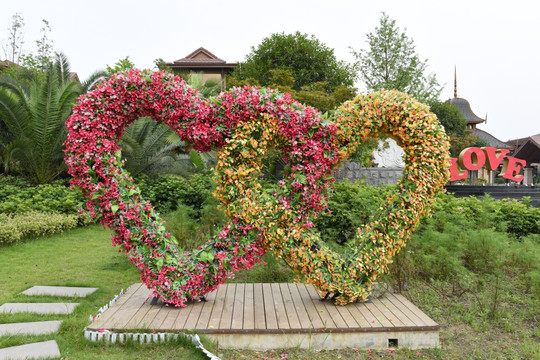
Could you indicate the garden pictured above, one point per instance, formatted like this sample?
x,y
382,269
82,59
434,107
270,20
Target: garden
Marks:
x,y
473,267
188,188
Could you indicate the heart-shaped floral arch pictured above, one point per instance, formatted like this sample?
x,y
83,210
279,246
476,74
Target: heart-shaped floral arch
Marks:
x,y
244,123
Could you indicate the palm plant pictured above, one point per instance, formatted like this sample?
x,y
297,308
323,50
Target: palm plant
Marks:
x,y
152,148
33,110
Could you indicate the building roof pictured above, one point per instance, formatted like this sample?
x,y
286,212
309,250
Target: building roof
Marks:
x,y
464,105
490,139
465,108
527,148
201,59
5,64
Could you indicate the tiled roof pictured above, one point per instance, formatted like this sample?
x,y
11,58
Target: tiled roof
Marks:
x,y
465,108
201,58
518,142
527,148
490,139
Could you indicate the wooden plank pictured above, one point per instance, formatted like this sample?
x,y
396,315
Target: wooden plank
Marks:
x,y
301,311
226,314
238,307
406,311
327,320
249,311
256,307
258,302
183,315
217,309
126,312
397,312
158,320
139,317
335,314
270,312
314,316
346,315
378,314
363,316
279,306
170,322
107,317
193,318
204,318
388,314
409,305
146,322
290,309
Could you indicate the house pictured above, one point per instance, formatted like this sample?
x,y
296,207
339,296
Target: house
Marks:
x,y
528,149
202,62
4,64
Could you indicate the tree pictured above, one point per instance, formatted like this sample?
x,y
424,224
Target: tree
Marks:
x,y
392,63
44,55
455,125
314,94
121,65
33,110
308,60
13,48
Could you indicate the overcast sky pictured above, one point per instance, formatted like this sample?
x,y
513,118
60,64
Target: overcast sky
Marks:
x,y
494,44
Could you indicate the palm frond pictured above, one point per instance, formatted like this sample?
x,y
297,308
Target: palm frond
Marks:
x,y
92,81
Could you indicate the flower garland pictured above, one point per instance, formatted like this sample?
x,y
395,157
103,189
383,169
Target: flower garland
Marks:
x,y
350,276
244,123
94,160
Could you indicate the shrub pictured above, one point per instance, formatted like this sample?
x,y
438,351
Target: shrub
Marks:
x,y
192,229
15,227
350,205
166,192
521,218
16,197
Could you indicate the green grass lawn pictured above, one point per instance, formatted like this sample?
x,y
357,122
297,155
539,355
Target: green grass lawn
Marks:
x,y
85,257
81,257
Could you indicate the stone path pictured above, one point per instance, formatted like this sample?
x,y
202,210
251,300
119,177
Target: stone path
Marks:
x,y
38,308
40,350
44,349
59,291
30,328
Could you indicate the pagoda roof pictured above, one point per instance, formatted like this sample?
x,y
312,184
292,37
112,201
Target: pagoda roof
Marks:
x,y
466,110
490,139
201,59
464,105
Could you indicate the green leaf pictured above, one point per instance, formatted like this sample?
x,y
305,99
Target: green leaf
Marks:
x,y
206,257
114,208
160,261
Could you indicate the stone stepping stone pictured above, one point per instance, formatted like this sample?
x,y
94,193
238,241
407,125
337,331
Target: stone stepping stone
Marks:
x,y
30,328
38,308
59,291
40,350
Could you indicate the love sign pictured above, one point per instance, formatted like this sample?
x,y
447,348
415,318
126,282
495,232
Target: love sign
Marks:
x,y
475,158
242,125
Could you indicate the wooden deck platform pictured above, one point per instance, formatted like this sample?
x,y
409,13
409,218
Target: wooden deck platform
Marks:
x,y
272,316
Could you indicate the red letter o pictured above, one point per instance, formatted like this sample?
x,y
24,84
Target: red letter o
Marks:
x,y
472,158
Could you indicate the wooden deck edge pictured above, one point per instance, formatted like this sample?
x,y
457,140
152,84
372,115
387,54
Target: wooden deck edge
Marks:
x,y
281,331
